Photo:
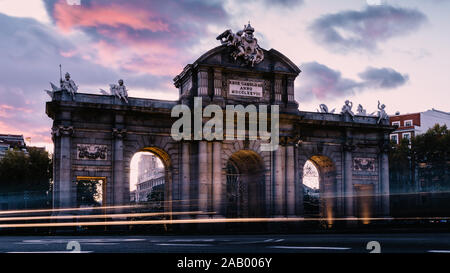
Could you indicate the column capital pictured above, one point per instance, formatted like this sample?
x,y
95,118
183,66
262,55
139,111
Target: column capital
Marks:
x,y
385,147
288,140
348,147
119,133
62,130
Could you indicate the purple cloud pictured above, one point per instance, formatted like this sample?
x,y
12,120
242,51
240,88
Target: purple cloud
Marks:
x,y
348,30
318,81
384,78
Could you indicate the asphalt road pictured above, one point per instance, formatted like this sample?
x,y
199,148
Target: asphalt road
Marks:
x,y
316,243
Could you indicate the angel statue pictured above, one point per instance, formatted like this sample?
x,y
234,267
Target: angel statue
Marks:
x,y
324,109
347,108
362,112
69,85
119,91
382,115
66,84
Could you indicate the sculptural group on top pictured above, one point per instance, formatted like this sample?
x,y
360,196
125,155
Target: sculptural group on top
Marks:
x,y
244,45
347,109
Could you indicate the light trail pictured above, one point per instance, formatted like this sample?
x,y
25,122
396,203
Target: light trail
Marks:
x,y
177,221
120,215
68,209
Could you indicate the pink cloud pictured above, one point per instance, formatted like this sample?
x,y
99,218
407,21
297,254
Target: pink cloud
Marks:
x,y
68,53
152,57
113,15
37,134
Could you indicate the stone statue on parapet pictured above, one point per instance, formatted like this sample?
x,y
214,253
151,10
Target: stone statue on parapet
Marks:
x,y
66,84
119,90
347,108
382,115
244,45
324,109
69,85
362,112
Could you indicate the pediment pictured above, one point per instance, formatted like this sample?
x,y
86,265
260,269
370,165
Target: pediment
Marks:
x,y
274,61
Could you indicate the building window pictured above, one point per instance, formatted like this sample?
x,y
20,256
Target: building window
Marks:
x,y
394,138
396,123
406,136
408,123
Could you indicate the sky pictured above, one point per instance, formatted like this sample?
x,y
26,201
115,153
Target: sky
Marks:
x,y
395,51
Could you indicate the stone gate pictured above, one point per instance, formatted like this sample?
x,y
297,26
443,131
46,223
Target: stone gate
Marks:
x,y
95,136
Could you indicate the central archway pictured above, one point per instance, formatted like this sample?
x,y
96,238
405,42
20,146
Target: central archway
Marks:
x,y
245,188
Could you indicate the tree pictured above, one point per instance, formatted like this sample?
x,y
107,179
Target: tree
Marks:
x,y
21,171
432,153
401,167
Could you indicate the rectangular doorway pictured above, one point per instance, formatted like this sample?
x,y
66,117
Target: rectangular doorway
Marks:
x,y
91,191
364,202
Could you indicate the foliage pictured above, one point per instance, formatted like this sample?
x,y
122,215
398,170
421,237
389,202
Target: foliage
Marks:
x,y
89,192
157,194
25,171
432,154
426,159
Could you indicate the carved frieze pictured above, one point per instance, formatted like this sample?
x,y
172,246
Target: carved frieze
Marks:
x,y
364,164
92,152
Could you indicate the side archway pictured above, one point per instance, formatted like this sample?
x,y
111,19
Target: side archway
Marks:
x,y
167,163
327,192
245,185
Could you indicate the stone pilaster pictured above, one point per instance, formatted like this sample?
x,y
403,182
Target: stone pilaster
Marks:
x,y
348,180
62,193
217,179
186,177
290,90
118,165
278,90
203,177
218,95
202,84
290,180
280,182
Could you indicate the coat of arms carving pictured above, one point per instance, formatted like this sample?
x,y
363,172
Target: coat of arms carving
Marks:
x,y
243,44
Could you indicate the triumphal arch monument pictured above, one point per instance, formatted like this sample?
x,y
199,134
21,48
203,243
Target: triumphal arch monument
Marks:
x,y
96,136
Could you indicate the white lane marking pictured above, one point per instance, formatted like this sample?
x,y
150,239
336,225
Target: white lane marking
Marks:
x,y
192,240
100,244
28,252
439,251
311,247
65,241
166,244
279,240
250,242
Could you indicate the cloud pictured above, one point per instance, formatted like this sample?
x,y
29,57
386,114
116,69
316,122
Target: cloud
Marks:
x,y
318,81
31,52
140,36
143,42
365,30
323,83
384,78
286,3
